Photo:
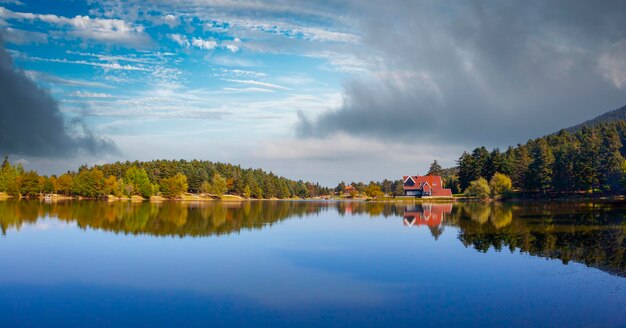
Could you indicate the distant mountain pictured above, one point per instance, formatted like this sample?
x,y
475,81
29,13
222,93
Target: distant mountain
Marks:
x,y
611,116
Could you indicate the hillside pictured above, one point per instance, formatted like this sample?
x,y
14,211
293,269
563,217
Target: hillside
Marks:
x,y
611,116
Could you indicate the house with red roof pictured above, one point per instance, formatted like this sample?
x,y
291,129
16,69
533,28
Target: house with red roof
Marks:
x,y
425,186
348,190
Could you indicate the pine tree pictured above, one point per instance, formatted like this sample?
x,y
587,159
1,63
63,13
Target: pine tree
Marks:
x,y
467,170
610,159
540,169
435,169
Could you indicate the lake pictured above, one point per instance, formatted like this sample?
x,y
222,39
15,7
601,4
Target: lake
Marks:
x,y
306,263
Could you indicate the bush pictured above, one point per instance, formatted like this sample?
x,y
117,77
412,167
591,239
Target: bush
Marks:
x,y
374,191
479,189
500,185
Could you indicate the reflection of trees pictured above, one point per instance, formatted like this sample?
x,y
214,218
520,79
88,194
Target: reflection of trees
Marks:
x,y
591,234
594,235
160,219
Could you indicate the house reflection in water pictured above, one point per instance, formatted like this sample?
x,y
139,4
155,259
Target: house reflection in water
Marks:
x,y
430,215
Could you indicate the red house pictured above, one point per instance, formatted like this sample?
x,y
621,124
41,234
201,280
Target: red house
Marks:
x,y
425,186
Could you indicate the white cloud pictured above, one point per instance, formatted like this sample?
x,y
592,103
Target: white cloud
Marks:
x,y
105,30
115,58
232,47
43,77
246,90
235,62
291,30
171,20
18,36
223,72
258,83
108,66
180,39
344,62
203,44
85,94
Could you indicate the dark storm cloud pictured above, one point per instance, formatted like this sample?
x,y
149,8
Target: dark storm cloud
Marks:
x,y
31,123
482,72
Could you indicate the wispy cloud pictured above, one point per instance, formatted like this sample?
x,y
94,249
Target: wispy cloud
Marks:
x,y
85,94
108,66
258,83
104,30
19,36
39,76
223,72
246,90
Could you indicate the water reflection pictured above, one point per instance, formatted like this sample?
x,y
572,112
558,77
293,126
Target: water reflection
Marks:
x,y
430,215
158,219
582,232
586,233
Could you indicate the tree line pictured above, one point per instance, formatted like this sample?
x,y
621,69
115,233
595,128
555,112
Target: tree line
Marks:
x,y
588,160
168,178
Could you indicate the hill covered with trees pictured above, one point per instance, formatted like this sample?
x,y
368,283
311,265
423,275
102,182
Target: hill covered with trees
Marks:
x,y
608,117
168,178
589,160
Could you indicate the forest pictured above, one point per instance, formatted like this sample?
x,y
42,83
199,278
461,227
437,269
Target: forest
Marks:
x,y
167,178
589,161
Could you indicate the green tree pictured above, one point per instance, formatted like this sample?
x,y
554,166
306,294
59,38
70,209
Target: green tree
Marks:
x,y
66,184
398,188
174,186
8,174
587,164
495,163
110,185
138,178
521,162
386,187
257,192
340,187
500,184
563,174
479,189
467,170
205,188
610,158
246,191
540,170
30,184
219,185
54,184
89,183
374,191
481,162
435,169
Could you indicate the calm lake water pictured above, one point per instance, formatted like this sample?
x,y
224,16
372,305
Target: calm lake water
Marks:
x,y
268,264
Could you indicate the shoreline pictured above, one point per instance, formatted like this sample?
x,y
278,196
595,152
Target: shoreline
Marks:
x,y
390,200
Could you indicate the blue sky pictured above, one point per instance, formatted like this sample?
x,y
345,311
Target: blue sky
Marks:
x,y
326,91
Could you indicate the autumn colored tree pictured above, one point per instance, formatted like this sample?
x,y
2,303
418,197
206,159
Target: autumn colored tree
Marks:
x,y
174,186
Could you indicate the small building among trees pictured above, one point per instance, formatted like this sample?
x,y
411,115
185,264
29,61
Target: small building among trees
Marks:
x,y
348,190
424,186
